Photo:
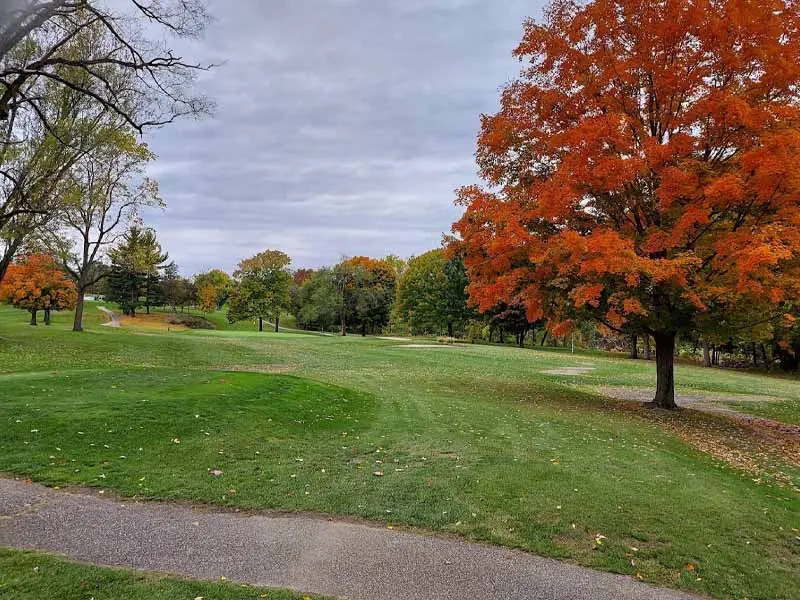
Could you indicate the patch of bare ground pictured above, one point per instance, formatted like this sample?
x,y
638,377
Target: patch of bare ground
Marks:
x,y
153,322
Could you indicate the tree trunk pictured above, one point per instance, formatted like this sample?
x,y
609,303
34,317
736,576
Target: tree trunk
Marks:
x,y
634,347
364,329
260,324
647,353
449,329
277,323
755,354
706,354
47,316
765,357
665,371
502,336
344,325
77,324
33,317
544,338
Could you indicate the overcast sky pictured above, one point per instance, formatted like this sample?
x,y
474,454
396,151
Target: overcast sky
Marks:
x,y
342,128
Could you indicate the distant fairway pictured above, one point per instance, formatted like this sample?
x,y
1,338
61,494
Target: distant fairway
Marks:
x,y
477,441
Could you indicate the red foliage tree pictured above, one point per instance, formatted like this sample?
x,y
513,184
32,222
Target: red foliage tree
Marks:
x,y
302,275
36,283
644,169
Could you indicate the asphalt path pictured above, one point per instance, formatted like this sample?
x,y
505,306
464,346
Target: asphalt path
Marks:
x,y
343,559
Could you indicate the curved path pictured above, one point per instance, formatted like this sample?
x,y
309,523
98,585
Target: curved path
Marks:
x,y
311,555
112,315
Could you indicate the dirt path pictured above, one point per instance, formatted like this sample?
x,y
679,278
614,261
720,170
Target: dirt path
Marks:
x,y
311,555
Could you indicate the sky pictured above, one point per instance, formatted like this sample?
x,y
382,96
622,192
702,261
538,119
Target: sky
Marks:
x,y
342,127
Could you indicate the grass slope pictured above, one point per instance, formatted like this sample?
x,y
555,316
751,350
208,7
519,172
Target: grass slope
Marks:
x,y
475,441
34,576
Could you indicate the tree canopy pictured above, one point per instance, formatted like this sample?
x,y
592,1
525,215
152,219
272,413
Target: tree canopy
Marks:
x,y
317,302
36,283
644,168
75,76
431,295
369,293
214,287
104,192
261,287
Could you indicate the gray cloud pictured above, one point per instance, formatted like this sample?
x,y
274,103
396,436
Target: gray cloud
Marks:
x,y
343,127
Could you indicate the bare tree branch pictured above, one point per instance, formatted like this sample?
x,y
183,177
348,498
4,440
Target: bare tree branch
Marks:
x,y
54,24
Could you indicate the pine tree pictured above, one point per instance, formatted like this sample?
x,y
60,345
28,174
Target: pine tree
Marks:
x,y
135,272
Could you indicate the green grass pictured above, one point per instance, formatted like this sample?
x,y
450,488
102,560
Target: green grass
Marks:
x,y
34,576
471,440
786,411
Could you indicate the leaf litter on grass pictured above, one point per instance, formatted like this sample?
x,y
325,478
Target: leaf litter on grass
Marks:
x,y
769,455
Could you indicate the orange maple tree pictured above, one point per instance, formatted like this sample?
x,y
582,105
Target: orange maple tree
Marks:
x,y
207,298
35,283
644,169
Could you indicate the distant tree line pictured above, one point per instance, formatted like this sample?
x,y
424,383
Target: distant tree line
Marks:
x,y
425,295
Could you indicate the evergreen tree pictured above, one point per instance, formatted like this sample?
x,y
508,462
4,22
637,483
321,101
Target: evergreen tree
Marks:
x,y
135,271
123,286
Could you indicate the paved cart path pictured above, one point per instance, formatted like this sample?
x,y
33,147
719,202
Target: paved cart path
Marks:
x,y
114,322
311,555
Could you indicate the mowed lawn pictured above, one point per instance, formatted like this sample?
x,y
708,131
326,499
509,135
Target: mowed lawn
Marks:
x,y
471,440
34,576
